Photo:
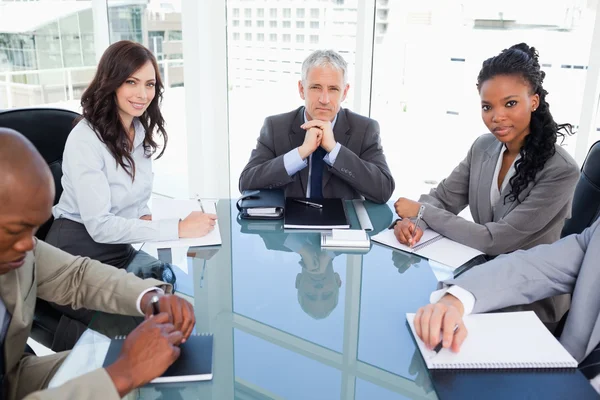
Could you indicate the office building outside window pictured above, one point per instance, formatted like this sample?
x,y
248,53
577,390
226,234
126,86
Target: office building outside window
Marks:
x,y
442,45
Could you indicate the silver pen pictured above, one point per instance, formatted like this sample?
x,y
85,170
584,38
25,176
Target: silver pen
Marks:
x,y
200,202
419,217
308,203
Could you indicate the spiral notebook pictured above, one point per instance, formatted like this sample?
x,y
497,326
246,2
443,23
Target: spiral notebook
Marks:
x,y
515,340
194,362
432,246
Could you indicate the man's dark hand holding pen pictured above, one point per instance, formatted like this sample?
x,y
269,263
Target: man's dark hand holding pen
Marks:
x,y
154,345
440,320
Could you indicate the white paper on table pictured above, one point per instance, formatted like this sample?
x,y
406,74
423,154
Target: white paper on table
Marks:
x,y
179,209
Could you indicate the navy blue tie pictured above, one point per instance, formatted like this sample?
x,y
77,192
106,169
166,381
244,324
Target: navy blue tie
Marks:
x,y
316,173
590,367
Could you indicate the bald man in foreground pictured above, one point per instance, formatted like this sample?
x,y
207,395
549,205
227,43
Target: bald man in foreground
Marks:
x,y
30,268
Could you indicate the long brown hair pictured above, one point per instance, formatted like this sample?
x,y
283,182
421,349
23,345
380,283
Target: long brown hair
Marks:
x,y
99,102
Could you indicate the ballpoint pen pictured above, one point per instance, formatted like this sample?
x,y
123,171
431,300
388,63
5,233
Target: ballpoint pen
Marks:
x,y
200,202
440,345
419,217
308,203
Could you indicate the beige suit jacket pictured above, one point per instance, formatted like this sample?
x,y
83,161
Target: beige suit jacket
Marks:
x,y
53,275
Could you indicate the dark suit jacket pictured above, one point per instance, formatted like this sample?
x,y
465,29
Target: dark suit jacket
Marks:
x,y
359,170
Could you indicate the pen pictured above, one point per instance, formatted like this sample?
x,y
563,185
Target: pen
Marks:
x,y
308,203
419,217
200,202
439,346
154,302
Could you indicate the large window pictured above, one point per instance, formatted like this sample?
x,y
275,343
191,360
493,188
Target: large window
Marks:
x,y
263,76
426,59
45,61
157,26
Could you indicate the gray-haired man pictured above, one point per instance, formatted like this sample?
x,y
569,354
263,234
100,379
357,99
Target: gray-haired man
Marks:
x,y
320,150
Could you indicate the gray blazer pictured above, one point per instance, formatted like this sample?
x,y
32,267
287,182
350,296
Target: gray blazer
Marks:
x,y
538,219
359,170
570,265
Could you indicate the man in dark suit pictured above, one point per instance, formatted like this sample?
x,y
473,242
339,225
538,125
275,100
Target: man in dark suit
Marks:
x,y
320,150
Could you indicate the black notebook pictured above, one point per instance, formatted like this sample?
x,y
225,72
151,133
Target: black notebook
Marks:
x,y
301,216
261,204
194,362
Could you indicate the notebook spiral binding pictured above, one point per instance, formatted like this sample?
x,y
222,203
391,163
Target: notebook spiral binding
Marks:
x,y
427,243
123,337
502,365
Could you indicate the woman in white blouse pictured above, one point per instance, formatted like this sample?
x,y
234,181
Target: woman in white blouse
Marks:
x,y
107,165
517,181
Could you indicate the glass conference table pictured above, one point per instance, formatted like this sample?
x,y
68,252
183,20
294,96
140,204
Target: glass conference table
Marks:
x,y
291,321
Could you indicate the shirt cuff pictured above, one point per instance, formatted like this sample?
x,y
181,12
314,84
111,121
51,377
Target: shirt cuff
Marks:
x,y
464,296
293,162
168,229
139,299
332,155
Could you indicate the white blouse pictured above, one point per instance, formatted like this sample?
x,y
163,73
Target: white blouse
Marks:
x,y
495,192
101,195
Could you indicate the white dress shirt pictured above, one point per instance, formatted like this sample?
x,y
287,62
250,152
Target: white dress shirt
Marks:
x,y
101,195
294,163
495,192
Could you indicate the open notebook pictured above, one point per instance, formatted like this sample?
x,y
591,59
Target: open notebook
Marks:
x,y
432,246
500,340
179,209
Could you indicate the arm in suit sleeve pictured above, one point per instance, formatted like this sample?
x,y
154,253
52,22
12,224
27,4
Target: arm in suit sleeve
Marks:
x,y
526,276
95,385
552,193
368,172
265,170
80,282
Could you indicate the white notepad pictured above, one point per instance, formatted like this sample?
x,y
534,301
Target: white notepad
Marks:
x,y
502,341
432,246
179,209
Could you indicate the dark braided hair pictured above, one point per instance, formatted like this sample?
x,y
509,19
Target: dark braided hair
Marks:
x,y
117,64
538,147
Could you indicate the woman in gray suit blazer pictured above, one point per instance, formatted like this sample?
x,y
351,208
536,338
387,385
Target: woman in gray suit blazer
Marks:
x,y
517,181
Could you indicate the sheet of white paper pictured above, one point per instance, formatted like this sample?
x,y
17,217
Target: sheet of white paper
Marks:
x,y
387,237
348,234
520,340
177,208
